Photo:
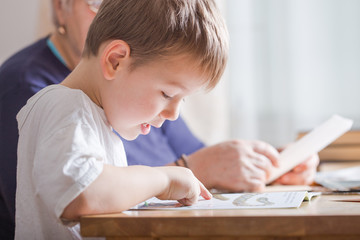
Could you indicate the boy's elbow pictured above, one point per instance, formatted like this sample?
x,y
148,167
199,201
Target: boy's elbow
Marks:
x,y
85,204
77,208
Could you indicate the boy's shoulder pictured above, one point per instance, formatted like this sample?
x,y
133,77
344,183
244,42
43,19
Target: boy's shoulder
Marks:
x,y
54,101
53,95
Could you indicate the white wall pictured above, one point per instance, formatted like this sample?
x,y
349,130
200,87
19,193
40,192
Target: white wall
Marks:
x,y
21,23
293,63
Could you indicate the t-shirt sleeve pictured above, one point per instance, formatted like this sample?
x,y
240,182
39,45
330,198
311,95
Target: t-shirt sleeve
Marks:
x,y
68,161
180,137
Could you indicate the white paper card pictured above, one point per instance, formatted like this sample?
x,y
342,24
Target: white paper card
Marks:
x,y
309,144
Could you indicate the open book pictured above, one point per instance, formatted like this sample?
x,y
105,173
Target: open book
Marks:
x,y
309,144
235,201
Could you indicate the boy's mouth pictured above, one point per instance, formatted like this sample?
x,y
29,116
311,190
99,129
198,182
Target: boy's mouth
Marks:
x,y
145,128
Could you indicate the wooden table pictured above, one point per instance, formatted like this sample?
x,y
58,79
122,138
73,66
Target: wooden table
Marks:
x,y
323,218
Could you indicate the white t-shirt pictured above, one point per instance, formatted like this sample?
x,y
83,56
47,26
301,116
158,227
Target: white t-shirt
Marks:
x,y
64,140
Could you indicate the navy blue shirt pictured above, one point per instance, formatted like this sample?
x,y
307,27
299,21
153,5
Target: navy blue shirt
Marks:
x,y
36,67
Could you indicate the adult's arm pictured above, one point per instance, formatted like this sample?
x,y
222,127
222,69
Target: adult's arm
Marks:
x,y
12,99
180,138
231,165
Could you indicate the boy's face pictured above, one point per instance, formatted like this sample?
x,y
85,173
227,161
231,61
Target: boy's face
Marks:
x,y
149,95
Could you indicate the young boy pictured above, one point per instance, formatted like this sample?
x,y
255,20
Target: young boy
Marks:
x,y
141,59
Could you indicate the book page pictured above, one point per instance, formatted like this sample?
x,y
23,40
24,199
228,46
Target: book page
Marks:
x,y
311,143
234,201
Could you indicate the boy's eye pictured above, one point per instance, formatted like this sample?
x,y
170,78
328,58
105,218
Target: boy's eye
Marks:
x,y
165,95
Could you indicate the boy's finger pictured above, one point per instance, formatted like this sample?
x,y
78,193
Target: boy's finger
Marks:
x,y
204,192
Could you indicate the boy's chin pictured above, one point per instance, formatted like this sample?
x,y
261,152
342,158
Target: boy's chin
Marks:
x,y
130,137
127,136
133,133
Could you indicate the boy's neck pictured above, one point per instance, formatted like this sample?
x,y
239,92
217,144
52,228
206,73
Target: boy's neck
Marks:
x,y
85,78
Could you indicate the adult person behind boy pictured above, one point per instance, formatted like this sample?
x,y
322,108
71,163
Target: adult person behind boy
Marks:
x,y
232,165
141,59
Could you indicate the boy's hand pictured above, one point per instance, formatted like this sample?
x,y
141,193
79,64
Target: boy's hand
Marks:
x,y
183,186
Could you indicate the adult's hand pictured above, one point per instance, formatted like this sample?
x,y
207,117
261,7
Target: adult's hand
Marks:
x,y
235,165
302,174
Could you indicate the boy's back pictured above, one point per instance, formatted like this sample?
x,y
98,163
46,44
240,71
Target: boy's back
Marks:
x,y
80,127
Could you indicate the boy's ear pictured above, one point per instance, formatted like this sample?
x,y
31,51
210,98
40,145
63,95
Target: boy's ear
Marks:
x,y
115,56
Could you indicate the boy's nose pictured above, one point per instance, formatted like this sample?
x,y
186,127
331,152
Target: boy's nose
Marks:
x,y
171,113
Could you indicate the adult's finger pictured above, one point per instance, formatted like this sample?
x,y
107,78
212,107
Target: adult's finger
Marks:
x,y
267,150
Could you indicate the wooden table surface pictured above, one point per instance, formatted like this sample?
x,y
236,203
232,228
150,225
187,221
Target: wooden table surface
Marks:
x,y
324,217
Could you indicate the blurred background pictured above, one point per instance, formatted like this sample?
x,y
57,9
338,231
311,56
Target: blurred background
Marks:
x,y
293,64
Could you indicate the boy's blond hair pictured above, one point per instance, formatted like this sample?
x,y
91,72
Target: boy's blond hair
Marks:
x,y
156,29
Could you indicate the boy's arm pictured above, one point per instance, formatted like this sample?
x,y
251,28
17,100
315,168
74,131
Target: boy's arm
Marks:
x,y
120,188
